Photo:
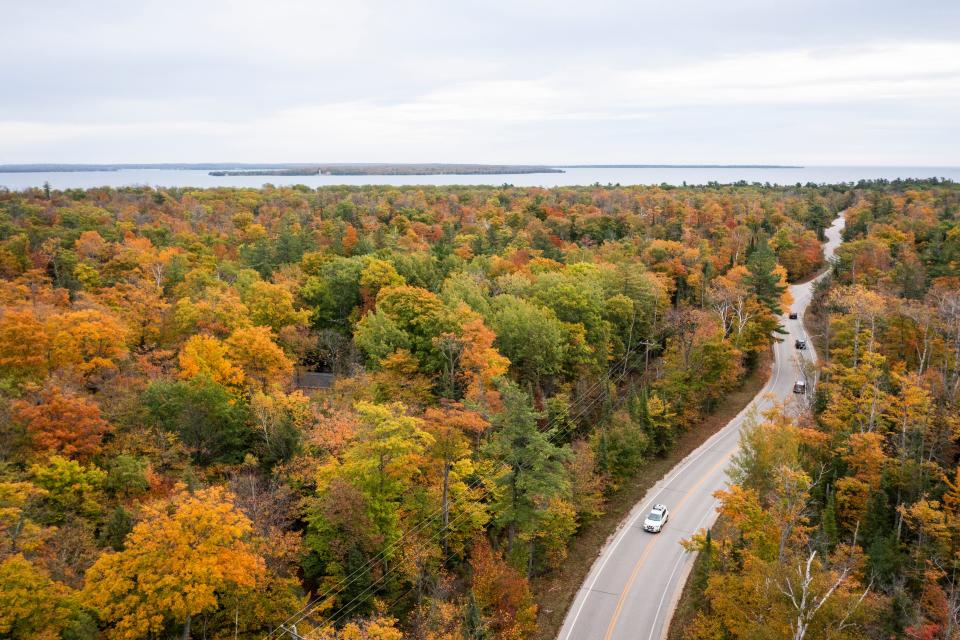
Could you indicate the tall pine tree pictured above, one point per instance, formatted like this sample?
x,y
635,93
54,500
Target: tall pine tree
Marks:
x,y
763,280
534,465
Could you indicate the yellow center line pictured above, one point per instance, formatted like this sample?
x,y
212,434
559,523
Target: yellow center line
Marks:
x,y
646,551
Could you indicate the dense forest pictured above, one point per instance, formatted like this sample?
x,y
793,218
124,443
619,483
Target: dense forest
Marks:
x,y
498,362
843,518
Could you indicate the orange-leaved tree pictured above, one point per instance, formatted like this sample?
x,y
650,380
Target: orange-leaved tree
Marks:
x,y
87,342
501,595
175,565
64,423
481,364
24,345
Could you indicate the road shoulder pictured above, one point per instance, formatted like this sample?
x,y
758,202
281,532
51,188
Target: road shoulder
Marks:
x,y
555,592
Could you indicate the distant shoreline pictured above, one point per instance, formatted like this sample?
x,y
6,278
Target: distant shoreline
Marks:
x,y
361,169
296,169
392,170
681,166
543,176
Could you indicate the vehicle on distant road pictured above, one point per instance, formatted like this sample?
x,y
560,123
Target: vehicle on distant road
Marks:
x,y
800,387
656,519
800,344
793,315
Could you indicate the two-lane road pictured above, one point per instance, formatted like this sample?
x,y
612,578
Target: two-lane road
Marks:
x,y
634,585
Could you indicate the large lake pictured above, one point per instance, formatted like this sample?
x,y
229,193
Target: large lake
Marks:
x,y
574,176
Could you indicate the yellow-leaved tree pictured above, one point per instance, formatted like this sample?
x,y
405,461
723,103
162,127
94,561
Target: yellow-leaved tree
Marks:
x,y
204,355
31,604
264,363
175,563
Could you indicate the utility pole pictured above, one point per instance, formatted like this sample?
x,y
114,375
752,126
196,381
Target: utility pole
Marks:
x,y
292,630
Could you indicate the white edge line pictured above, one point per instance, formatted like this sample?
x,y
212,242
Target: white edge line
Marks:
x,y
658,488
688,558
691,458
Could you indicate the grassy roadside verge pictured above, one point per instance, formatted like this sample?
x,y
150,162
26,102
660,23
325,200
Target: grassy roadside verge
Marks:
x,y
815,326
691,599
687,606
556,591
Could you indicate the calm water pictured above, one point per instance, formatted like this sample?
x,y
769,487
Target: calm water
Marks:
x,y
580,176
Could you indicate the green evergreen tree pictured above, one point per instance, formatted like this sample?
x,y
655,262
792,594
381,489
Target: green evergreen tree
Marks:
x,y
829,520
704,566
818,219
473,620
210,421
116,529
534,466
763,280
638,408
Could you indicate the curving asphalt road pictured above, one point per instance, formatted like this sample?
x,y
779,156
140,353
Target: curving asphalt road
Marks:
x,y
633,586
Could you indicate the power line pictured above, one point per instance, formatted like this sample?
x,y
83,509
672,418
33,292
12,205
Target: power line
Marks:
x,y
305,611
356,602
422,523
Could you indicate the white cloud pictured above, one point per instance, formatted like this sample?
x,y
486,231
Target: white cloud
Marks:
x,y
307,80
907,71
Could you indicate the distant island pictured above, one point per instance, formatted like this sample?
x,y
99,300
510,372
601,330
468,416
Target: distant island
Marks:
x,y
297,169
172,166
361,168
390,170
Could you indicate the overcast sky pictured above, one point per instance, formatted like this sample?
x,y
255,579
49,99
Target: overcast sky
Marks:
x,y
730,81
